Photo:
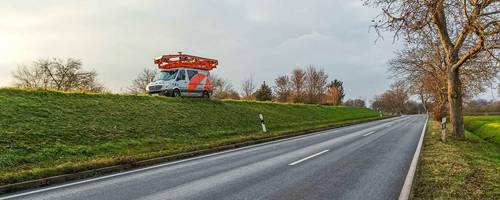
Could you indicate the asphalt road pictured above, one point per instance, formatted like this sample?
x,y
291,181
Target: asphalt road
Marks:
x,y
365,161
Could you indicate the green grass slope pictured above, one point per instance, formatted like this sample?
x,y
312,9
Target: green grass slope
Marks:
x,y
46,133
486,127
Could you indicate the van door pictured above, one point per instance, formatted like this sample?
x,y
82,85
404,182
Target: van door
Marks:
x,y
194,86
182,82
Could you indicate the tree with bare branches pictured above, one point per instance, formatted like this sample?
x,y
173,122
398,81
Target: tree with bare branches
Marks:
x,y
283,88
297,82
222,88
394,100
315,81
140,83
248,87
422,68
57,74
465,30
334,93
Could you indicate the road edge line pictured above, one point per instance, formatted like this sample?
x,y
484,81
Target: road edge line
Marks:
x,y
406,190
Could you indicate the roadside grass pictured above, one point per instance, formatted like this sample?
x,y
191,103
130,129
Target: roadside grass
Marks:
x,y
46,133
486,127
457,169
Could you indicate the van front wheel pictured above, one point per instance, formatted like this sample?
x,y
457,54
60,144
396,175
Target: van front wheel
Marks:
x,y
176,93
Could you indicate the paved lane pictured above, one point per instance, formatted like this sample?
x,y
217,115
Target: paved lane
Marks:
x,y
365,161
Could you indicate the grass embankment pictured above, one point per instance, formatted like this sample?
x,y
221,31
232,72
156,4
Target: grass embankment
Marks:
x,y
460,169
486,127
45,133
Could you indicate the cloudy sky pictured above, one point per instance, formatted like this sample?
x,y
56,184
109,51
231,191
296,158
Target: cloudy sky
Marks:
x,y
259,38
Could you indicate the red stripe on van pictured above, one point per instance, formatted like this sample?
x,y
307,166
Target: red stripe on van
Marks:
x,y
196,81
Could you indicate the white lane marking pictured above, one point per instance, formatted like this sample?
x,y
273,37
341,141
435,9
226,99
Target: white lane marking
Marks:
x,y
388,125
368,133
308,157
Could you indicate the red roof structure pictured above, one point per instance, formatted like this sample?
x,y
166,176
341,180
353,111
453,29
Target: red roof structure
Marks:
x,y
184,60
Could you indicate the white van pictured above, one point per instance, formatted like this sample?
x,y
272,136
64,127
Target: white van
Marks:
x,y
181,82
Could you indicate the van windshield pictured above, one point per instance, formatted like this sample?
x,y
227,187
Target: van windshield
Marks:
x,y
166,75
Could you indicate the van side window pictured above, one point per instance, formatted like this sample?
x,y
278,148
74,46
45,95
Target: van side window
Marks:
x,y
182,75
191,73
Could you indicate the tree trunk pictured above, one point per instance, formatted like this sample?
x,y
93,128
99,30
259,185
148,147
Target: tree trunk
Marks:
x,y
455,102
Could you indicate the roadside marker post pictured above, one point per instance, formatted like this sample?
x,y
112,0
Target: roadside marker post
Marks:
x,y
443,129
262,123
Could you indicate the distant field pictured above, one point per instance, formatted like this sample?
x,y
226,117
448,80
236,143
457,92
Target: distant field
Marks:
x,y
486,127
45,133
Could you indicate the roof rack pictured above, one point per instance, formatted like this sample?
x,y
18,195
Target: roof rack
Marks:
x,y
184,60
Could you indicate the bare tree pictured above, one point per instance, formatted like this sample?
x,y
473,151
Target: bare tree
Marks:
x,y
315,82
248,86
31,77
298,80
57,74
140,83
394,100
465,29
334,93
422,68
283,88
222,88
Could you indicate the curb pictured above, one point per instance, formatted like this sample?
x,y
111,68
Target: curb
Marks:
x,y
406,190
32,184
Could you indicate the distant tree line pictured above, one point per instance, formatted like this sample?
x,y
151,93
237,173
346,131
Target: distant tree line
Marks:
x,y
307,85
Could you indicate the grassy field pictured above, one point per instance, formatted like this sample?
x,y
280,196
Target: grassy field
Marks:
x,y
486,127
459,169
45,133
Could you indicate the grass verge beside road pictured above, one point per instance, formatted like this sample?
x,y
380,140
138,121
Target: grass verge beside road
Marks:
x,y
46,133
458,169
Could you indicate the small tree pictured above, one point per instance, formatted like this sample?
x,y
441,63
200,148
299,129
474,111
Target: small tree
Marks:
x,y
297,82
264,93
248,87
283,88
315,82
334,92
222,88
142,80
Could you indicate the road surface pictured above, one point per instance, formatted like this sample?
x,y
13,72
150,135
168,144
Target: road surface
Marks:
x,y
365,161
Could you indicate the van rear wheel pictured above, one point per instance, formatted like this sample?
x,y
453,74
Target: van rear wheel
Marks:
x,y
176,93
206,94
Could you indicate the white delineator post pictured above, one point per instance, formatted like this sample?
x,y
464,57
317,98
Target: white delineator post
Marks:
x,y
262,123
443,129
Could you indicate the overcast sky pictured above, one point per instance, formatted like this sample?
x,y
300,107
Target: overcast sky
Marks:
x,y
263,38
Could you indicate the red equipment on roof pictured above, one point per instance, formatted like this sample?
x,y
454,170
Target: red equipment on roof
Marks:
x,y
184,60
